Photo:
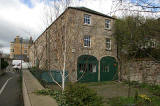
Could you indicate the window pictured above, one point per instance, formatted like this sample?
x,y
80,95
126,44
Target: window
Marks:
x,y
108,43
87,19
83,67
153,44
25,46
12,50
105,68
87,41
107,24
12,45
92,67
147,44
87,68
25,51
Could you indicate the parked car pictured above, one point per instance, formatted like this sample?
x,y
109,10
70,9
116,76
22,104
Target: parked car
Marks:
x,y
16,64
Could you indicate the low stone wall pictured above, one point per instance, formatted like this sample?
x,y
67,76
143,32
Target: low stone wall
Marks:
x,y
143,71
30,85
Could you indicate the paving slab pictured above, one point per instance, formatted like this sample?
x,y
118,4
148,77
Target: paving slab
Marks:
x,y
31,84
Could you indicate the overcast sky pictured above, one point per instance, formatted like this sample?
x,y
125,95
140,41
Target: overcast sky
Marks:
x,y
24,17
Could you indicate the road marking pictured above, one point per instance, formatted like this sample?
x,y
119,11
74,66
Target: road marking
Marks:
x,y
4,85
12,72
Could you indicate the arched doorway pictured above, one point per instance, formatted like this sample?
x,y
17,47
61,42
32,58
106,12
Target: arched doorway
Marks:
x,y
87,68
108,69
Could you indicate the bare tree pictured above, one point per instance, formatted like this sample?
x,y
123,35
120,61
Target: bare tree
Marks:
x,y
141,7
42,52
134,8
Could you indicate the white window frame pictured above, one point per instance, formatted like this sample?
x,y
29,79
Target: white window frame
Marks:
x,y
110,43
12,45
87,19
12,50
25,52
153,43
25,46
89,40
107,24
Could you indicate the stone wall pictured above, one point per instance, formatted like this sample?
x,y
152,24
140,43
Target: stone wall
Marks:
x,y
147,71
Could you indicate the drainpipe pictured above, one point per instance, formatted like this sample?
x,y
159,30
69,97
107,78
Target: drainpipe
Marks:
x,y
99,74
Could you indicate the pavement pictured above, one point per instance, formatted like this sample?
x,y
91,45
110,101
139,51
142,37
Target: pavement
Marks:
x,y
30,85
10,90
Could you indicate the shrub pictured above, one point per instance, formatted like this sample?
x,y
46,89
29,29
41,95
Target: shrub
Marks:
x,y
142,100
60,98
122,101
74,95
45,92
4,64
80,95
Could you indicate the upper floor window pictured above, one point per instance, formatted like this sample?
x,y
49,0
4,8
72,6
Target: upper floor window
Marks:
x,y
12,44
12,50
25,51
87,19
25,46
87,41
153,44
150,43
107,24
108,44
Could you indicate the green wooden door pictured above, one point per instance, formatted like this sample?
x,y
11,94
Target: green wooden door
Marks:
x,y
108,69
87,69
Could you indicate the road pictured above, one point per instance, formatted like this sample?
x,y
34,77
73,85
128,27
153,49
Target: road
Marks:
x,y
10,89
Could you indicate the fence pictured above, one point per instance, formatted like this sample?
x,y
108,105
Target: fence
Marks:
x,y
45,76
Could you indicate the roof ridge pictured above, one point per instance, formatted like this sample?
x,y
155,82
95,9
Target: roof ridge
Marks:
x,y
82,8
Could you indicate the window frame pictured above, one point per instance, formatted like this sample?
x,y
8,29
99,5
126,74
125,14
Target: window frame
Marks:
x,y
12,50
89,40
25,51
25,46
87,20
110,43
107,24
153,43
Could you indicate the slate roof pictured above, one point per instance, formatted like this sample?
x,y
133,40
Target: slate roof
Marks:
x,y
90,11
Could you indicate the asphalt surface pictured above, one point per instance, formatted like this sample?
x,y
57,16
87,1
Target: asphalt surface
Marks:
x,y
10,89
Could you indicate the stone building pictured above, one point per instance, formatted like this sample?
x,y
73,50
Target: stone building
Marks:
x,y
19,48
86,38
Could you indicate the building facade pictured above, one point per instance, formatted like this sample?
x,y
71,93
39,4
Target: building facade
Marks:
x,y
82,39
19,48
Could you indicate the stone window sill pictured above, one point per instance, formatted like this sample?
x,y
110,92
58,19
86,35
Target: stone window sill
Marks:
x,y
108,29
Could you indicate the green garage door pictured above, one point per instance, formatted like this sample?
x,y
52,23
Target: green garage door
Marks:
x,y
108,69
87,68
